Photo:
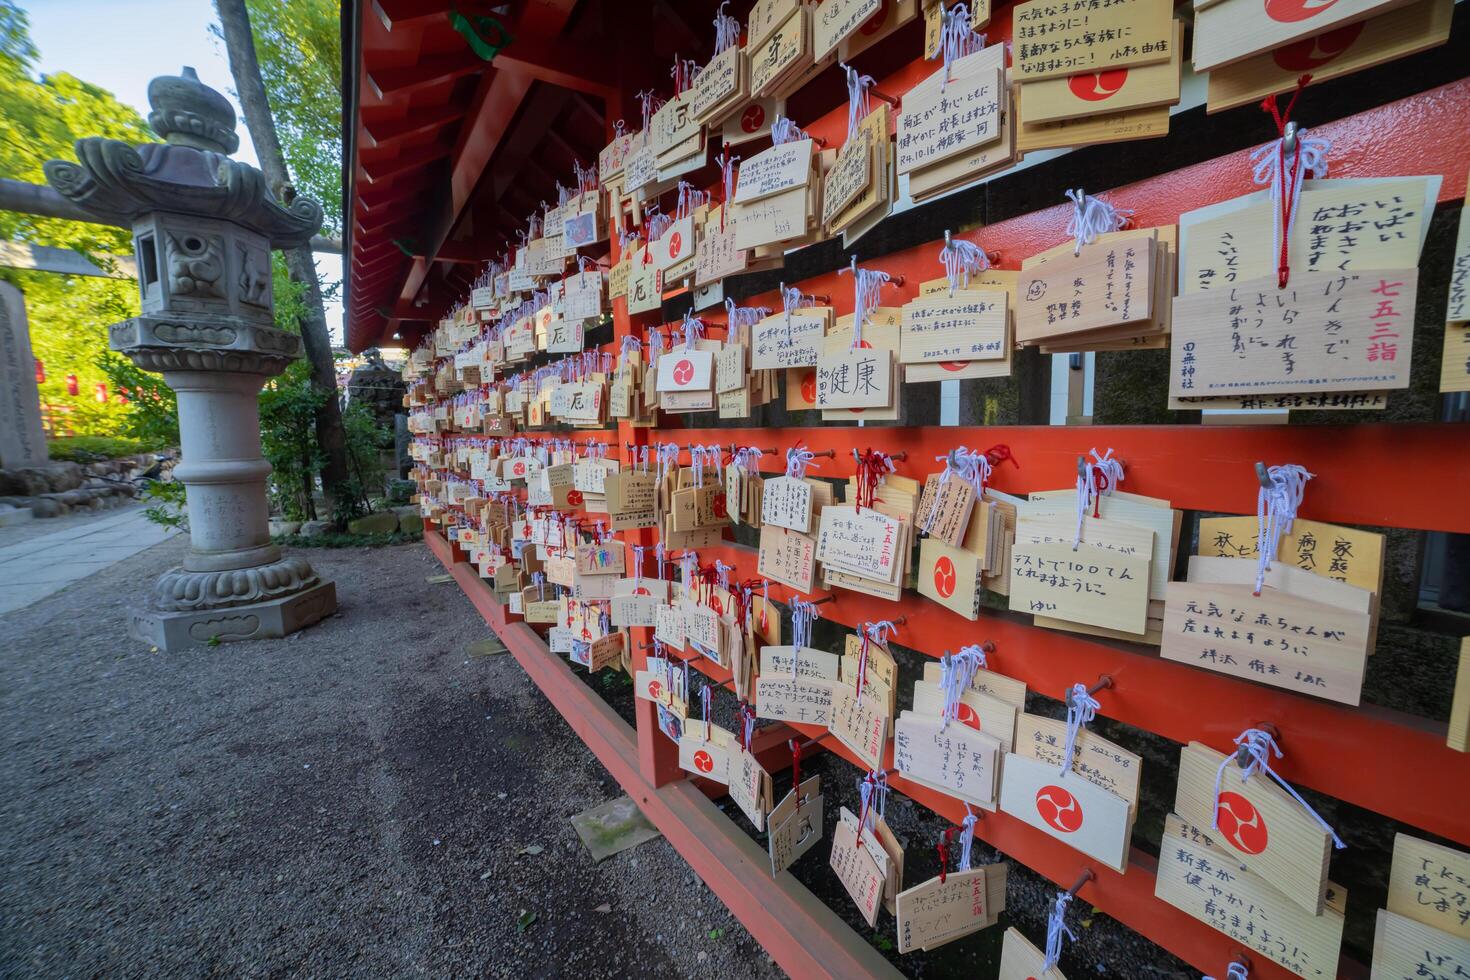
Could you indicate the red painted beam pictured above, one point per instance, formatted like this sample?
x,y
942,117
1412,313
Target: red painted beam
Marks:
x,y
559,61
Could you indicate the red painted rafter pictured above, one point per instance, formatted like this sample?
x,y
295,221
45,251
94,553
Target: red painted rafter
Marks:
x,y
416,158
383,132
434,68
486,126
396,15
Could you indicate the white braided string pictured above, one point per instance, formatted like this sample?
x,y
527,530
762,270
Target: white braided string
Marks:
x,y
1092,216
1276,508
1079,713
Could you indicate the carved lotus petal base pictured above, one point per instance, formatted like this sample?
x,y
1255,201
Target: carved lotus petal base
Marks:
x,y
180,589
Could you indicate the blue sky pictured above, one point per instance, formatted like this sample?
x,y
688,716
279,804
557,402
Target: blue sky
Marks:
x,y
122,44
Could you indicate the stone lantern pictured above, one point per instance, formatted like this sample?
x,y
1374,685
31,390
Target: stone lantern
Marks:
x,y
203,227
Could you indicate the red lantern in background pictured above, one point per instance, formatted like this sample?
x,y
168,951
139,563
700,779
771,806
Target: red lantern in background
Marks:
x,y
101,392
40,371
122,396
71,384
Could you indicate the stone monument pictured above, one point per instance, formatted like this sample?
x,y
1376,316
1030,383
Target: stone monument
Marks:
x,y
22,441
203,227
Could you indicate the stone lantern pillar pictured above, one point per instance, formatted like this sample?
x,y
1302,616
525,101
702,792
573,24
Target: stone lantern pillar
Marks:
x,y
203,227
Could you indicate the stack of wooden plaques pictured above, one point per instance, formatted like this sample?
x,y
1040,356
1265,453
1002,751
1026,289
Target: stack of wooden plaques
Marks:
x,y
1303,632
1259,50
1116,294
780,36
869,549
1277,855
954,128
1319,358
962,334
1088,803
685,377
720,88
1150,515
1100,580
962,757
859,189
964,540
777,201
1077,86
1424,929
860,381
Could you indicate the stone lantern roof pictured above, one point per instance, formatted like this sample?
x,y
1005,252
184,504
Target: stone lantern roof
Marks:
x,y
190,174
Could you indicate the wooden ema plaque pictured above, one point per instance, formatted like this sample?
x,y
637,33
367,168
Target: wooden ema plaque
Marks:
x,y
1276,638
1104,763
1019,960
1266,831
1068,807
951,577
750,787
1430,883
1194,866
1232,30
1458,736
1100,584
1323,333
856,868
1403,947
707,757
795,825
1343,554
978,710
1074,36
938,912
1331,54
954,759
968,326
1110,91
862,726
1109,284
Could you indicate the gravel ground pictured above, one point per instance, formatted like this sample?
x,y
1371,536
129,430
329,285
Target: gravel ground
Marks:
x,y
353,800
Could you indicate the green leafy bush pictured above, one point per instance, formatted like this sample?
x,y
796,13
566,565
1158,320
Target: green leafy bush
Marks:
x,y
87,449
167,505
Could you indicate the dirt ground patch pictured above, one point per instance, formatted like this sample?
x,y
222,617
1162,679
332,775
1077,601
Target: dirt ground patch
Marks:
x,y
352,800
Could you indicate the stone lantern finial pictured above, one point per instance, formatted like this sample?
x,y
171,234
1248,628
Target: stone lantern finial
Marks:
x,y
186,112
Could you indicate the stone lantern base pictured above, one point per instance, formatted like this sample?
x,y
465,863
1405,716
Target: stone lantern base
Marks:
x,y
270,619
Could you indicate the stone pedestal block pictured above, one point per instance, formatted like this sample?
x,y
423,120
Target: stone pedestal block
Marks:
x,y
271,619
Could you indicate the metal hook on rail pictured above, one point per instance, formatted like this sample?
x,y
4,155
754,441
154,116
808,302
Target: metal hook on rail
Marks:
x,y
1103,681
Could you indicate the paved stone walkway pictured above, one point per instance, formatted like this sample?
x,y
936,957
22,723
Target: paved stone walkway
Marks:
x,y
36,567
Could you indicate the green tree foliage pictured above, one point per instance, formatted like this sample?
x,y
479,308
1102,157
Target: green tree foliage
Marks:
x,y
41,120
288,438
298,43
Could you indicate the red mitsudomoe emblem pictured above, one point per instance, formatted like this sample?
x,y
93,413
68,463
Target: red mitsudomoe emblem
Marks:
x,y
1241,823
1098,85
1059,809
944,576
